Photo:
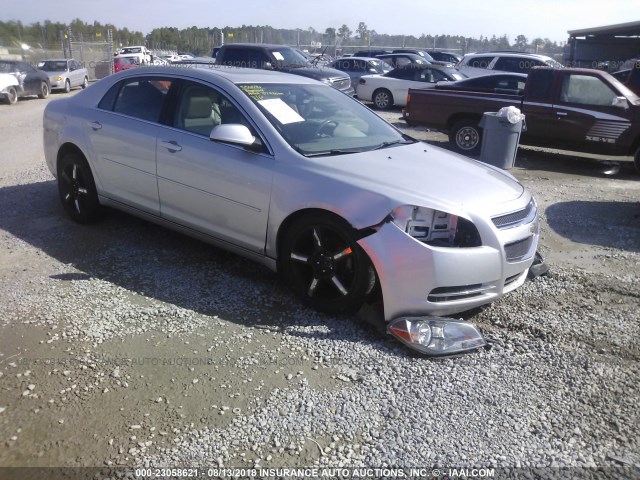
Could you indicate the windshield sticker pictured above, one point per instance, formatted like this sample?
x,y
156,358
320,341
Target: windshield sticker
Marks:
x,y
281,111
257,92
278,56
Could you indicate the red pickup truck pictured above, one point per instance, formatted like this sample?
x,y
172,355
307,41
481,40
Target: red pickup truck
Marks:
x,y
570,108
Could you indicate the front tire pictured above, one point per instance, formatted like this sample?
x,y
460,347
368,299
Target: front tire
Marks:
x,y
636,161
44,90
12,96
382,99
465,137
85,83
67,86
321,261
77,189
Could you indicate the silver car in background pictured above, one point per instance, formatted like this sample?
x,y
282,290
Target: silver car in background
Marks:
x,y
300,177
65,74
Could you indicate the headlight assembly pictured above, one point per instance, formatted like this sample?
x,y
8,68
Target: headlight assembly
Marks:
x,y
436,228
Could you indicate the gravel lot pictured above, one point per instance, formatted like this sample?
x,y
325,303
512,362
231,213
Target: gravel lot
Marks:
x,y
122,343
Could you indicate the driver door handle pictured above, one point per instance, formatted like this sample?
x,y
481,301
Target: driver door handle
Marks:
x,y
95,125
172,146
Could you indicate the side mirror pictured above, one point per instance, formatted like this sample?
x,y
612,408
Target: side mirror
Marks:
x,y
233,133
267,66
620,102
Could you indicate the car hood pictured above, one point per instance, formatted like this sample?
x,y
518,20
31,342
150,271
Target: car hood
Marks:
x,y
7,80
424,175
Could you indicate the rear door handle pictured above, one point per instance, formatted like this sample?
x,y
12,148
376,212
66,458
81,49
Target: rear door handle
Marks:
x,y
172,146
95,125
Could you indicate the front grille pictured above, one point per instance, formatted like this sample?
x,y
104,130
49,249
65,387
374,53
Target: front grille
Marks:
x,y
447,294
341,83
518,250
514,218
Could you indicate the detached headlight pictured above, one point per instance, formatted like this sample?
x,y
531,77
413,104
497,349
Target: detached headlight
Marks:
x,y
436,228
436,335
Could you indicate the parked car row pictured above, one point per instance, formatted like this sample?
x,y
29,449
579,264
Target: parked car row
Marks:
x,y
19,79
30,81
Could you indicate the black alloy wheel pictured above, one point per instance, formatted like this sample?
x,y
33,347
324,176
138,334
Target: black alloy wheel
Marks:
x,y
324,265
77,189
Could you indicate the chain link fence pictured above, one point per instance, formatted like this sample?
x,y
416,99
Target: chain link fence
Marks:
x,y
97,57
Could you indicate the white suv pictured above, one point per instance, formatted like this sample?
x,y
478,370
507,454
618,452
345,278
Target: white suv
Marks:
x,y
476,64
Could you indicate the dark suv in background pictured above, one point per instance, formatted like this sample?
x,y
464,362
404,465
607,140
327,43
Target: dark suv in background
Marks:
x,y
282,58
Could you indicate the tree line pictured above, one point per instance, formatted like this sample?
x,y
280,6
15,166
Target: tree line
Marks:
x,y
200,41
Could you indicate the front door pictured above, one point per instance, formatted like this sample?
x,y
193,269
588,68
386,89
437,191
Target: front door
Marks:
x,y
585,116
220,189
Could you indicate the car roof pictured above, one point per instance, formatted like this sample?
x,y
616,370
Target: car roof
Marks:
x,y
209,71
57,59
509,54
425,66
261,45
400,54
360,58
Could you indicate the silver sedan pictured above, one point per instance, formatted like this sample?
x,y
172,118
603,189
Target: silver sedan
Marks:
x,y
299,177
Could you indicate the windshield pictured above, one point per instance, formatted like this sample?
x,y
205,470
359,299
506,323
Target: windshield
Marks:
x,y
289,58
53,66
317,120
131,50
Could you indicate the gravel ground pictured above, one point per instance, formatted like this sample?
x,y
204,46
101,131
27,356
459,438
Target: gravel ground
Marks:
x,y
125,344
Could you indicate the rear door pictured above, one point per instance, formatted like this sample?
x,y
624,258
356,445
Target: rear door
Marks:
x,y
76,75
123,132
585,116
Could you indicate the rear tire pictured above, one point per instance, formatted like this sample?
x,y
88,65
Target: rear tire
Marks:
x,y
465,136
636,161
77,189
44,90
85,83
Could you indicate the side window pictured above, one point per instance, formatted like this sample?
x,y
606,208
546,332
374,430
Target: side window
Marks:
x,y
510,64
236,57
586,90
141,97
200,108
402,61
438,76
480,62
541,81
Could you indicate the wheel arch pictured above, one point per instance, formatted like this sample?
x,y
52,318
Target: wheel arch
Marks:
x,y
293,217
69,147
457,117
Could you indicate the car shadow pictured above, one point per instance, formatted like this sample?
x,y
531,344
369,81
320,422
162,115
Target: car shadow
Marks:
x,y
164,265
605,224
574,164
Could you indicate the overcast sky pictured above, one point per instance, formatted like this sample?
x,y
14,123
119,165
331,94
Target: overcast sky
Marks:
x,y
472,18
